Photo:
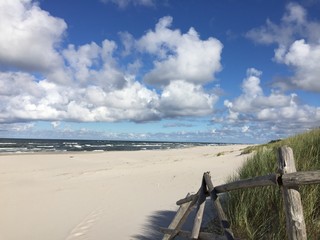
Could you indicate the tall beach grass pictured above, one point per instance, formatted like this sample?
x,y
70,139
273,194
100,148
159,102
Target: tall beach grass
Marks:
x,y
258,213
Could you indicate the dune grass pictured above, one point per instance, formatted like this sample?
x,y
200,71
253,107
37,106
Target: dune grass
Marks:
x,y
258,213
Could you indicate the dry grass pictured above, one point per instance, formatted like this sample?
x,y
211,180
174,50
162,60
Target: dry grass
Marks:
x,y
258,213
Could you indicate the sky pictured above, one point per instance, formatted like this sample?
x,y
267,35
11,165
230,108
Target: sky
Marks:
x,y
193,70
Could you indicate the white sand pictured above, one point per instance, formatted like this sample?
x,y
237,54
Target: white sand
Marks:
x,y
111,195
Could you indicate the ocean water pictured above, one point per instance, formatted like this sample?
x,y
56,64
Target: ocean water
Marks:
x,y
9,145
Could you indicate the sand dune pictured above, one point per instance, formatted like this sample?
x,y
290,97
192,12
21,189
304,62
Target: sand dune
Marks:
x,y
110,195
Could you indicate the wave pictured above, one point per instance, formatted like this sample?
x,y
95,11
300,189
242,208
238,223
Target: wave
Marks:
x,y
62,145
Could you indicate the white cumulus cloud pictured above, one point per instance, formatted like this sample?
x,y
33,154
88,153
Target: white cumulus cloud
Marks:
x,y
89,83
28,99
277,108
29,36
305,59
91,64
181,98
180,56
298,41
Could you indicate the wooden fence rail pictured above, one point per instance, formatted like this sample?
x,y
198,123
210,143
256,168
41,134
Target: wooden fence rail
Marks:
x,y
287,179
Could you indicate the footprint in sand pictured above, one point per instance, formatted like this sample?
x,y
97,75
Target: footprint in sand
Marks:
x,y
80,232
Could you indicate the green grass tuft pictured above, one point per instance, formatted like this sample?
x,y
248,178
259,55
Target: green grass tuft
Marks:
x,y
258,213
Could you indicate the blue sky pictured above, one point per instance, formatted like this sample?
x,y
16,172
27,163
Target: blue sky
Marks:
x,y
216,71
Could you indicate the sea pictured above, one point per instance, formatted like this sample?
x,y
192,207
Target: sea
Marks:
x,y
14,145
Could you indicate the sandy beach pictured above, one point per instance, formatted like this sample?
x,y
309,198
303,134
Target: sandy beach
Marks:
x,y
109,195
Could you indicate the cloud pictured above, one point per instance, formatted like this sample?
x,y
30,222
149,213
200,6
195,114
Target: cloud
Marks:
x,y
298,46
88,83
29,37
245,129
181,98
135,103
126,3
24,98
40,80
293,25
180,56
27,99
55,124
177,125
305,59
91,64
276,109
16,128
128,42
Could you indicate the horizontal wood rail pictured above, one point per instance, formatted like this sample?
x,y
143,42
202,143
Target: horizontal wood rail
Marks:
x,y
287,179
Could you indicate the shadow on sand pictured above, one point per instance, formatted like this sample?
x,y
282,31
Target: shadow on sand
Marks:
x,y
164,218
158,219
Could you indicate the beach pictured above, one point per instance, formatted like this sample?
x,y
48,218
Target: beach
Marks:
x,y
103,195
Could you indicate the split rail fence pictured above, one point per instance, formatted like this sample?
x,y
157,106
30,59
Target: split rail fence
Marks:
x,y
287,179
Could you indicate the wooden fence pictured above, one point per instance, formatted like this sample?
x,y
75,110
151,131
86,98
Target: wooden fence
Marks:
x,y
287,179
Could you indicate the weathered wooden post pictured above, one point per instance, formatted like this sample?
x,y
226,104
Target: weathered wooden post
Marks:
x,y
179,219
201,204
225,225
295,224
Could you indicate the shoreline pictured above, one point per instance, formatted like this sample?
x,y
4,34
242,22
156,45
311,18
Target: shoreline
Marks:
x,y
106,151
26,146
103,195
